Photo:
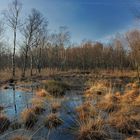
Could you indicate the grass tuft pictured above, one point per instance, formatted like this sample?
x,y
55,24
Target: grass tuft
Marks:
x,y
29,118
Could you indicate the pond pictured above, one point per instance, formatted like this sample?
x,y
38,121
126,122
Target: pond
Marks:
x,y
14,101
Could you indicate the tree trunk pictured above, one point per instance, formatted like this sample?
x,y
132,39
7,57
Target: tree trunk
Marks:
x,y
13,56
31,64
25,62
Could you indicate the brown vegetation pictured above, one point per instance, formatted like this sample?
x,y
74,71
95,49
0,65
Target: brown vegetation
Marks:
x,y
52,121
19,138
4,123
28,118
92,130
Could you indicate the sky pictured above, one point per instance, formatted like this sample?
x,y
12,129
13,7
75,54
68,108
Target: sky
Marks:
x,y
97,20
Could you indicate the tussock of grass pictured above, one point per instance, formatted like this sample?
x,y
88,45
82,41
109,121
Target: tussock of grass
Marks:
x,y
107,106
98,88
55,106
130,96
16,125
37,101
4,123
41,93
19,138
125,123
29,118
38,109
52,121
86,111
92,130
131,138
56,88
109,103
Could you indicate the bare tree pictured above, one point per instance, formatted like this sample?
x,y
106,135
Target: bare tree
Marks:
x,y
133,38
35,24
13,21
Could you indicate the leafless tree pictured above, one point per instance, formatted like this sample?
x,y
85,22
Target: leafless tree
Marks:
x,y
13,21
35,24
133,38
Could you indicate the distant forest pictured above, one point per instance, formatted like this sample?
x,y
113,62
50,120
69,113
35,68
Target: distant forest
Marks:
x,y
38,49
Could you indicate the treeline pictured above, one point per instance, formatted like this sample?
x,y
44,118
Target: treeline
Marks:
x,y
39,49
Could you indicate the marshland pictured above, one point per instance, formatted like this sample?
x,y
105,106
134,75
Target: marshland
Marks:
x,y
52,88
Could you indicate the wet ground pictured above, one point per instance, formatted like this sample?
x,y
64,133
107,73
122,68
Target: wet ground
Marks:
x,y
15,100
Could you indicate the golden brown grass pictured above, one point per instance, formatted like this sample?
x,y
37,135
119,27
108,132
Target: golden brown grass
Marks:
x,y
28,117
85,111
99,88
41,93
37,101
4,123
109,103
131,138
125,123
55,106
19,138
38,109
92,130
130,96
52,121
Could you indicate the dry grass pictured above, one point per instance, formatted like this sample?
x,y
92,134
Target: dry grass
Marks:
x,y
16,125
29,118
125,123
41,93
56,88
38,109
130,96
55,106
4,123
52,121
85,111
100,87
92,130
108,107
38,101
131,138
19,138
109,103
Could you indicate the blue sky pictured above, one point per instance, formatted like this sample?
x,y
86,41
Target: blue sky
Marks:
x,y
86,19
